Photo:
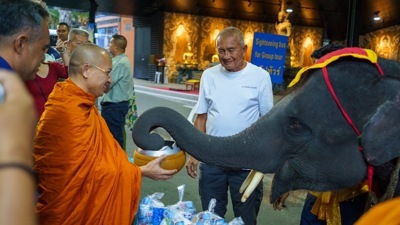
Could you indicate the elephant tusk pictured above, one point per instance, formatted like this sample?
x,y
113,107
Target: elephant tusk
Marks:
x,y
247,181
251,182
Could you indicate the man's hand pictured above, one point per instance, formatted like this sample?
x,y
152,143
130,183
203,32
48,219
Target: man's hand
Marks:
x,y
61,46
192,166
280,202
18,120
192,163
64,48
154,171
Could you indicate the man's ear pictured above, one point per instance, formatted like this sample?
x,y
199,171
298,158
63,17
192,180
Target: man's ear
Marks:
x,y
84,71
20,43
380,138
245,48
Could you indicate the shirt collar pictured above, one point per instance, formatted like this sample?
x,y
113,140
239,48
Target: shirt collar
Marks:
x,y
119,56
4,64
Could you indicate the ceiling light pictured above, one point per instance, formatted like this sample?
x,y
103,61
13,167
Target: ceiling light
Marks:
x,y
376,16
289,8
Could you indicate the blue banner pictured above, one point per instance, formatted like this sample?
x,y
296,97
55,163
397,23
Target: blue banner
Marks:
x,y
269,52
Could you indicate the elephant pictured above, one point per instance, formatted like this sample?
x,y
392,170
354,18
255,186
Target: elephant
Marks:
x,y
308,140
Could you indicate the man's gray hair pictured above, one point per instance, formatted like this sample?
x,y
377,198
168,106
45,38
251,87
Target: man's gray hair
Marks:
x,y
21,15
231,31
77,31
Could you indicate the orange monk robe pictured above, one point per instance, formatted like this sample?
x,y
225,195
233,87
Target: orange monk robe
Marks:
x,y
85,176
385,213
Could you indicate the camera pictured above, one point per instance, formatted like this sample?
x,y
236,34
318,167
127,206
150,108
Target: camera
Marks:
x,y
53,40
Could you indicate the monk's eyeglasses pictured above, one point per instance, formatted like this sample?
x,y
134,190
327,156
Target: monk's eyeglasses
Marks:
x,y
107,72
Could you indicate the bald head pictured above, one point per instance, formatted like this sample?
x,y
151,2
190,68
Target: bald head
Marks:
x,y
86,54
89,68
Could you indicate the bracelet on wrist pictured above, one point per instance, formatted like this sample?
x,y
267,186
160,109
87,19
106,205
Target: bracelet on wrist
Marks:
x,y
20,166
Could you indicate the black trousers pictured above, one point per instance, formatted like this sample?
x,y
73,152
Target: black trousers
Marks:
x,y
114,114
215,182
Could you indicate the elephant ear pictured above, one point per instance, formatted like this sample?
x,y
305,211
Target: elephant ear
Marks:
x,y
381,135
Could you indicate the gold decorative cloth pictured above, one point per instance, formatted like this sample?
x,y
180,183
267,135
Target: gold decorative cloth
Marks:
x,y
326,207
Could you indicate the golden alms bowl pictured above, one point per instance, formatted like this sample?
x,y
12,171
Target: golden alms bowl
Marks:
x,y
176,158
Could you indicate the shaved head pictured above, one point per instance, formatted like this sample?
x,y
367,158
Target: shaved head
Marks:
x,y
89,68
86,54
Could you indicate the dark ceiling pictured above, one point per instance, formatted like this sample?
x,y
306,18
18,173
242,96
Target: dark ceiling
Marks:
x,y
332,15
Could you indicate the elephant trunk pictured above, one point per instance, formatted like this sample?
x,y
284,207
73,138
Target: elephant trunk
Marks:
x,y
237,151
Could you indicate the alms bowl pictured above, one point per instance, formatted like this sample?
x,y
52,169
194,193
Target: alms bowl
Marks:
x,y
176,158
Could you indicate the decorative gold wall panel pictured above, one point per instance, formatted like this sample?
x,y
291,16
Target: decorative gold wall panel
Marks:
x,y
385,42
210,27
179,31
200,32
305,40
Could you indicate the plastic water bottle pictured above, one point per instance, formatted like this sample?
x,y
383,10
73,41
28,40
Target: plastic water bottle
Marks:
x,y
172,217
130,157
145,214
207,218
189,211
220,222
158,215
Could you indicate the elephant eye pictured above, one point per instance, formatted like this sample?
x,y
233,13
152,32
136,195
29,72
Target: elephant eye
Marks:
x,y
297,132
295,124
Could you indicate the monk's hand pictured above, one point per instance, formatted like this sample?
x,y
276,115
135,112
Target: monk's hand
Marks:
x,y
154,171
191,167
280,202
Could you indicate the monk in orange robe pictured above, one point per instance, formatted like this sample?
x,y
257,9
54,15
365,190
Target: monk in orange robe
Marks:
x,y
384,213
84,175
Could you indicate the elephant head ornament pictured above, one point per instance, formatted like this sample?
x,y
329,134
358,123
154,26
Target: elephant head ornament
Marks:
x,y
309,140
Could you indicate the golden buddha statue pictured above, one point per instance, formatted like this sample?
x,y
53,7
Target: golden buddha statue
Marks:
x,y
284,26
188,55
215,58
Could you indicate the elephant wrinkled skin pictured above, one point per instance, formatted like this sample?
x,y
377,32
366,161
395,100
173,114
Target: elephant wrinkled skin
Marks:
x,y
304,139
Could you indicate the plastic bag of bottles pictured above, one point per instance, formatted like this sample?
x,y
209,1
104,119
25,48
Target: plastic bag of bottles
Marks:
x,y
151,210
208,217
180,213
237,221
